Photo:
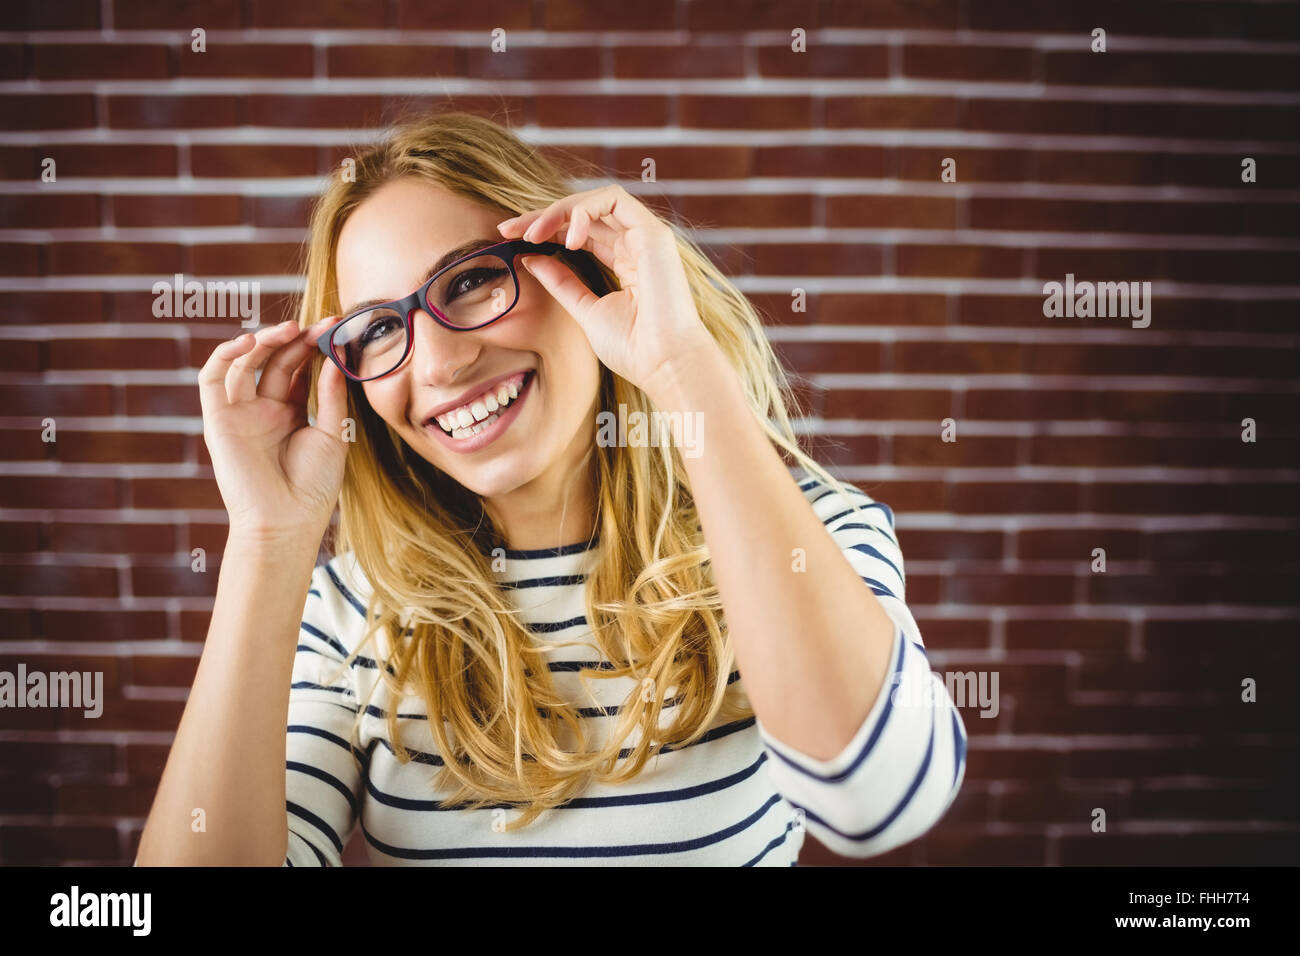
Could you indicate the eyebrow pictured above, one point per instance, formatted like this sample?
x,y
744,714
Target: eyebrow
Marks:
x,y
450,256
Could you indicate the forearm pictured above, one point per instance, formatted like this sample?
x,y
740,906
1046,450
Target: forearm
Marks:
x,y
228,758
813,646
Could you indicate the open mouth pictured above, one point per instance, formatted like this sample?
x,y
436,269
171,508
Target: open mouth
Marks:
x,y
478,421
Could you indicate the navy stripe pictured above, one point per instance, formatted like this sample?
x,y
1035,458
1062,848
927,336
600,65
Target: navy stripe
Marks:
x,y
304,814
893,815
573,852
288,862
878,588
327,777
561,580
859,526
871,740
308,685
342,589
318,633
326,735
550,627
778,841
959,744
717,733
320,857
554,552
318,594
869,550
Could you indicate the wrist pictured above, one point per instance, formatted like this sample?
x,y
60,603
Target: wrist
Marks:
x,y
681,382
261,546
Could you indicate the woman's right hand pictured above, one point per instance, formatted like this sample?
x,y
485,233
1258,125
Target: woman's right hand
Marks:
x,y
279,476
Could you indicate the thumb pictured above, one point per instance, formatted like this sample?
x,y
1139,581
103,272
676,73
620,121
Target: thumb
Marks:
x,y
331,400
561,282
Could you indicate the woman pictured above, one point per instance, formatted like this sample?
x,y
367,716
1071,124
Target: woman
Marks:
x,y
529,648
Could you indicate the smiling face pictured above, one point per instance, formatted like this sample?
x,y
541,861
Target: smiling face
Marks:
x,y
535,365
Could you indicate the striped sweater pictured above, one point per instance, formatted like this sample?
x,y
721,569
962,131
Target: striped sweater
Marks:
x,y
736,797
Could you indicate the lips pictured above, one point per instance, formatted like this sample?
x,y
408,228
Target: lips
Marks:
x,y
483,431
479,408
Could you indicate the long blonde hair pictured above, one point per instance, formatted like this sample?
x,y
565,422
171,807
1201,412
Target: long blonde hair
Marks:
x,y
424,542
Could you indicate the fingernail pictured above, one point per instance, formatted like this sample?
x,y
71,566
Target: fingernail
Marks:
x,y
507,222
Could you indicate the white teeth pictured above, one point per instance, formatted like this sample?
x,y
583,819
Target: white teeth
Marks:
x,y
464,421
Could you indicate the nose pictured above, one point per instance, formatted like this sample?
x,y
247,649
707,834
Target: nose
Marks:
x,y
438,354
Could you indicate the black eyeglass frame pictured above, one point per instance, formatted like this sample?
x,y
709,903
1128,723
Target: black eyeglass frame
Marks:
x,y
507,251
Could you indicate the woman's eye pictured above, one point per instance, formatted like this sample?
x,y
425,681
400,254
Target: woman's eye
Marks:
x,y
377,329
471,279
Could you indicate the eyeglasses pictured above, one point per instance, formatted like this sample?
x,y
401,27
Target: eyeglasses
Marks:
x,y
471,293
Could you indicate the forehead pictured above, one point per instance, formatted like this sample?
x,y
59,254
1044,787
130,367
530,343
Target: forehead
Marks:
x,y
389,241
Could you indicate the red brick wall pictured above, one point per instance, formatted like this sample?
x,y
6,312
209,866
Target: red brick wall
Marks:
x,y
818,170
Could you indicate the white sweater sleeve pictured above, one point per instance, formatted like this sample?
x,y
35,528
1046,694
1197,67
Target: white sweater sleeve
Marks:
x,y
902,770
323,769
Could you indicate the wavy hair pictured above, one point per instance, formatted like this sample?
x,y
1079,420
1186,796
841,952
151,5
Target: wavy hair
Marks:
x,y
424,542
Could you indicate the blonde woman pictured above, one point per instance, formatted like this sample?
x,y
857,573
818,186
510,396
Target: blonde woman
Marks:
x,y
546,638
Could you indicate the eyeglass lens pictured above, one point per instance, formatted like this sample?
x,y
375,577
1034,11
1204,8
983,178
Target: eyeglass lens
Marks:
x,y
471,294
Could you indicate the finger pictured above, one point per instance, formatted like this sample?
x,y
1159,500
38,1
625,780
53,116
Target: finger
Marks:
x,y
278,374
241,380
548,221
563,284
212,376
331,400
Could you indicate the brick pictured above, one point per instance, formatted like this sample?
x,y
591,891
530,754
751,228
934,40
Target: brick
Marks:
x,y
145,762
1128,497
531,63
1062,544
844,162
971,451
888,404
130,111
239,60
1013,763
175,493
246,258
15,61
684,162
943,545
942,633
394,60
696,60
842,450
186,210
96,799
1021,497
50,211
327,14
745,112
766,210
1092,635
1217,800
117,625
263,161
959,358
30,845
28,798
122,713
1198,361
164,671
976,262
818,259
183,581
137,353
808,357
162,400
58,579
22,259
973,165
985,63
1059,801
1257,70
891,212
1213,544
627,110
901,14
115,538
99,61
891,112
836,61
485,15
23,111
1020,588
164,14
589,14
114,258
24,444
58,492
21,536
55,15
98,160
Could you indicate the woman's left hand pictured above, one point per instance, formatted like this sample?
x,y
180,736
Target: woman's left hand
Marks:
x,y
650,328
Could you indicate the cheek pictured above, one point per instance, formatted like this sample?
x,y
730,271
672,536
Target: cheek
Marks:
x,y
388,400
